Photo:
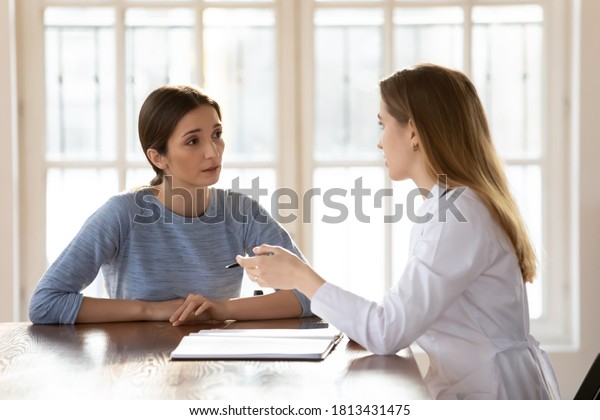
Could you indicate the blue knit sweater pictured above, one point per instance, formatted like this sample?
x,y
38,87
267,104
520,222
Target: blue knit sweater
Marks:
x,y
147,252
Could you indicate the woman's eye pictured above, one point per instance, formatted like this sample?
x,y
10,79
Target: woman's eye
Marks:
x,y
192,141
217,135
380,125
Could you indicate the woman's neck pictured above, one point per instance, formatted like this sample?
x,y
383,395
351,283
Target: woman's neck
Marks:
x,y
425,183
184,201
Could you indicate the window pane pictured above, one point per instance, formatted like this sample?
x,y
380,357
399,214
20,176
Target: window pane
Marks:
x,y
160,50
83,16
80,84
432,35
257,183
240,1
345,1
72,196
526,184
241,73
337,237
209,1
138,177
507,70
348,65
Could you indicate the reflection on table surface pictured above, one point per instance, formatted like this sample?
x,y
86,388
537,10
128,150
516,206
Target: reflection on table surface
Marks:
x,y
131,360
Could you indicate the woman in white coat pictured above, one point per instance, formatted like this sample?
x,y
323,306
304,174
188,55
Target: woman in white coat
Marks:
x,y
462,295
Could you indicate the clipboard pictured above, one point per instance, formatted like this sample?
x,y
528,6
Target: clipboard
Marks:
x,y
258,344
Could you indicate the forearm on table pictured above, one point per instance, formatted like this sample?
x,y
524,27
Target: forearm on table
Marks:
x,y
116,310
281,304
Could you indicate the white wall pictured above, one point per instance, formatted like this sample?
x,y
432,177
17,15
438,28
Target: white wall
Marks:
x,y
9,219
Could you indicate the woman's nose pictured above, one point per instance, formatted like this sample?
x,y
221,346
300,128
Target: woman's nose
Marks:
x,y
211,151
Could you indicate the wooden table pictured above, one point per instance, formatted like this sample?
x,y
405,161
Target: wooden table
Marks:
x,y
130,360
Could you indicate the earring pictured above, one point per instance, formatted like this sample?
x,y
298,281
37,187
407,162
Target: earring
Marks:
x,y
415,147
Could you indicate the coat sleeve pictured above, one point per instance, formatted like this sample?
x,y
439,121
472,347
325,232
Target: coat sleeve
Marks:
x,y
446,259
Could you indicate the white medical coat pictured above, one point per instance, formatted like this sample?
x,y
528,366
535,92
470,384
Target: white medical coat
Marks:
x,y
462,298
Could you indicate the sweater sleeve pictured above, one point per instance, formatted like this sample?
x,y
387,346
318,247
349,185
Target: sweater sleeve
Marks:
x,y
57,297
263,229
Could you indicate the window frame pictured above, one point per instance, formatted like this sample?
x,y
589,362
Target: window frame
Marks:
x,y
556,326
294,56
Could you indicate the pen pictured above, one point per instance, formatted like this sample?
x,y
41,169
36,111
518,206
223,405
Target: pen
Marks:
x,y
235,264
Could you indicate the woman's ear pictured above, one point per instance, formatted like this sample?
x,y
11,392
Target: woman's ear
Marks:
x,y
414,134
156,158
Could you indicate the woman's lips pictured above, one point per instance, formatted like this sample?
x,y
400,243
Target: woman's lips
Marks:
x,y
212,169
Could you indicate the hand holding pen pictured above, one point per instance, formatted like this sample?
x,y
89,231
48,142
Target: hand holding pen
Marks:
x,y
282,270
235,264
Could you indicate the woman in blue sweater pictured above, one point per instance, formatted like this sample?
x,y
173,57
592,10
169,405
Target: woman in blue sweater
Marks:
x,y
163,249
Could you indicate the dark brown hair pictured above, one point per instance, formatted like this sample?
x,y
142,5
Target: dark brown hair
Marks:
x,y
456,140
160,113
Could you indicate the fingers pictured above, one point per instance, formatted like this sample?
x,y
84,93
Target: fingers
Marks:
x,y
253,272
268,266
188,311
266,249
260,282
188,307
202,308
259,252
177,313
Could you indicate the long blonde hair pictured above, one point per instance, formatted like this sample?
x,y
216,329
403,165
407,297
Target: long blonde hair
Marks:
x,y
456,141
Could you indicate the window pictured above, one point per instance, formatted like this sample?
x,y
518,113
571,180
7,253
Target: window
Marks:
x,y
504,50
297,82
